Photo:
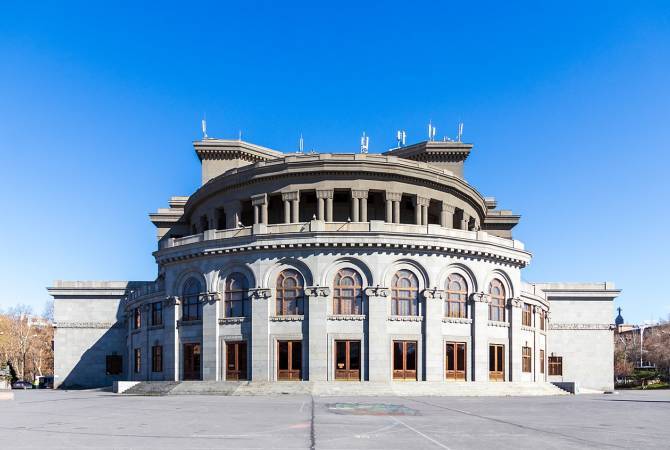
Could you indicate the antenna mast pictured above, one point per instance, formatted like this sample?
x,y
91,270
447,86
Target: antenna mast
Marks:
x,y
401,136
204,127
365,143
301,144
431,131
460,131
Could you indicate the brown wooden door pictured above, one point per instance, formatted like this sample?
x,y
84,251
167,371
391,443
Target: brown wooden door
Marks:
x,y
236,360
348,360
404,360
289,360
192,362
455,361
497,362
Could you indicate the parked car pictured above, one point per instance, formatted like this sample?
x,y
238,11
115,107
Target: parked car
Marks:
x,y
22,385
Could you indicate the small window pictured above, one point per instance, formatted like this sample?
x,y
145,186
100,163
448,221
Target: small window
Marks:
x,y
235,296
137,318
457,294
527,315
157,313
541,361
404,294
138,360
497,304
157,358
526,359
555,365
543,318
290,293
113,365
191,308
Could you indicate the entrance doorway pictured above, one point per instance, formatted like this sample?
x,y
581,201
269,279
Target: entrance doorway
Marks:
x,y
236,360
404,360
192,362
496,362
348,360
455,359
289,360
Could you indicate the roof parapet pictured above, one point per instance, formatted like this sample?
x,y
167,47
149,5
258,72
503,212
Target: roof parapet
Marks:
x,y
447,155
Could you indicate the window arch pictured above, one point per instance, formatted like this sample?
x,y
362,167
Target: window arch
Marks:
x,y
290,293
347,292
405,294
457,294
190,305
235,296
497,303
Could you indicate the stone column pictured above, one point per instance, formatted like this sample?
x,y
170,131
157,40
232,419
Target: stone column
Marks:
x,y
317,339
480,323
361,197
291,202
354,209
422,205
434,312
232,214
321,207
417,211
465,221
325,195
389,211
379,346
259,203
260,338
329,209
213,219
395,198
210,336
447,215
515,342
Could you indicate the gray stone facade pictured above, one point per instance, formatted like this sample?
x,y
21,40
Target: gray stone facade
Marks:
x,y
403,225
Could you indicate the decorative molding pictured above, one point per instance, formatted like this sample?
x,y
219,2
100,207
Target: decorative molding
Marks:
x,y
393,196
317,291
422,201
480,297
259,199
456,320
188,323
448,208
435,293
290,196
376,291
405,318
581,326
232,320
290,318
324,193
99,325
354,317
527,328
259,293
514,302
495,323
171,301
359,193
209,297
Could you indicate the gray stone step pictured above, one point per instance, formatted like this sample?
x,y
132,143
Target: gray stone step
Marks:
x,y
344,389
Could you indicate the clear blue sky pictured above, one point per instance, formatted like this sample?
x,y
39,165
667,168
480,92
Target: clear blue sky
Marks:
x,y
567,105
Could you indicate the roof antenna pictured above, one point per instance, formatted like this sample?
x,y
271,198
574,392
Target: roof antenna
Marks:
x,y
301,144
365,143
431,131
204,127
401,136
460,131
239,136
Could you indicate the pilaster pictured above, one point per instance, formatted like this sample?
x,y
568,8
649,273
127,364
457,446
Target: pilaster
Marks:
x,y
379,348
480,350
210,336
260,356
447,215
317,340
434,352
514,353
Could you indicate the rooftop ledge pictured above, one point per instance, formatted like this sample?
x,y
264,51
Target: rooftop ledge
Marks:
x,y
315,226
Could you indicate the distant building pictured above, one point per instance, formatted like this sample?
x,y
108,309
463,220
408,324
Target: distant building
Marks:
x,y
378,267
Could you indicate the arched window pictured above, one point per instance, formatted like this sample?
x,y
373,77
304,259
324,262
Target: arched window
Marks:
x,y
457,294
405,294
235,296
290,293
497,304
190,305
347,292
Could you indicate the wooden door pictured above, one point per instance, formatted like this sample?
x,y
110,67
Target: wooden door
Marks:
x,y
191,362
289,360
455,361
348,360
404,360
497,362
236,360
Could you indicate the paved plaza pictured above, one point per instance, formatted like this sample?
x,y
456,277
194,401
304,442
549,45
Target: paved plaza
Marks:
x,y
96,419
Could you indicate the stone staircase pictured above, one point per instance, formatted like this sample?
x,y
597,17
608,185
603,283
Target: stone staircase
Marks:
x,y
345,389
